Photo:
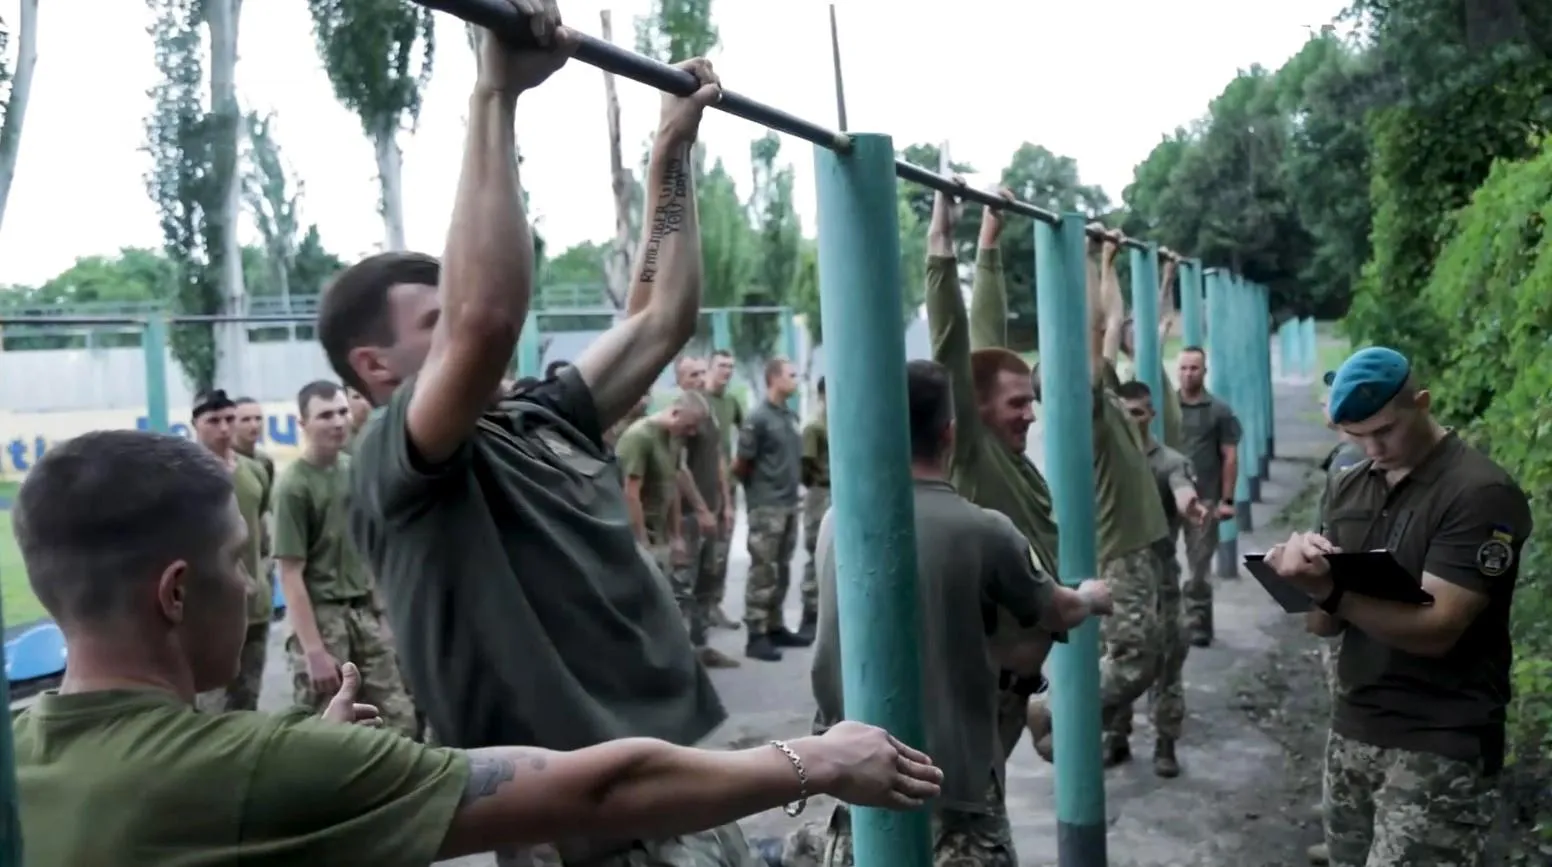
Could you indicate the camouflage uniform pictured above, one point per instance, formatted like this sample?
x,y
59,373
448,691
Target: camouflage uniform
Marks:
x,y
1130,635
1207,426
1340,458
816,501
718,847
243,692
959,839
773,537
711,583
353,632
1392,806
253,501
730,419
771,445
1197,591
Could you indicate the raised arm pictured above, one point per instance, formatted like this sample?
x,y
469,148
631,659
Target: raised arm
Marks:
x,y
1166,299
946,318
488,262
989,293
1111,309
665,299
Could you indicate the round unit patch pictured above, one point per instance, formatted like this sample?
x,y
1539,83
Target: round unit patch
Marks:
x,y
1494,557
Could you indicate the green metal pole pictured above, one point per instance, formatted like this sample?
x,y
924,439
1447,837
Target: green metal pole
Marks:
x,y
872,503
1285,348
1219,364
153,340
1244,400
1307,348
1192,302
789,348
528,361
721,332
1145,328
1264,372
1068,422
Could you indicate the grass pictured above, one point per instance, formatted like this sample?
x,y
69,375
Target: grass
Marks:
x,y
16,595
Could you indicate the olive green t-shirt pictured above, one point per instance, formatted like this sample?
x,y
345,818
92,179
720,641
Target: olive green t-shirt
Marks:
x,y
984,470
132,778
1172,472
521,606
312,524
703,457
1127,512
1207,426
730,419
816,453
253,501
1169,409
647,452
771,443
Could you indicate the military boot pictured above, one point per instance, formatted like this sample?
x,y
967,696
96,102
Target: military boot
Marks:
x,y
714,658
781,636
761,647
809,627
1164,762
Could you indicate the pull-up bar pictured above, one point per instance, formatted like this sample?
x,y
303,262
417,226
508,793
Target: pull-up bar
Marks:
x,y
502,19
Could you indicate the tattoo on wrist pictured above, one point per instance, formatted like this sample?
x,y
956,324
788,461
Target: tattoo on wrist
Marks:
x,y
668,216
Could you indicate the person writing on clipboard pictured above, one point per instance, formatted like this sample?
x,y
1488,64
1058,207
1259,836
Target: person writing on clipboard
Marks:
x,y
1417,734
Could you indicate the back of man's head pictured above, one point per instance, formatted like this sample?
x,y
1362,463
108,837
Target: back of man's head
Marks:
x,y
105,514
1134,390
355,308
930,398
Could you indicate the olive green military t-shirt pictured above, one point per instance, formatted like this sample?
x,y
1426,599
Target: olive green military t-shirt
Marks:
x,y
1169,409
730,419
1207,425
1127,512
703,457
647,452
984,469
816,453
772,445
138,778
253,501
312,524
1172,472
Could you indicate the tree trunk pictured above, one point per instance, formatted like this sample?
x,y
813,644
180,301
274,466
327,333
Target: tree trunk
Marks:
x,y
390,174
617,266
16,107
221,17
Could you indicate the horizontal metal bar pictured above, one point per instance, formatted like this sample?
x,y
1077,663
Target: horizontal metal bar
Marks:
x,y
70,321
250,319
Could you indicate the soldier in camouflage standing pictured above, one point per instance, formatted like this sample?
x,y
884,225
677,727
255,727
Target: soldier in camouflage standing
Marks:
x,y
334,616
650,453
730,420
769,460
1210,435
215,415
816,496
703,490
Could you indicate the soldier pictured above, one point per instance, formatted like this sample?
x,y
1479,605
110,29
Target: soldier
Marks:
x,y
215,414
360,408
730,420
816,490
994,407
703,486
1177,494
1417,736
1170,401
247,429
650,453
1210,435
769,461
117,768
967,557
334,616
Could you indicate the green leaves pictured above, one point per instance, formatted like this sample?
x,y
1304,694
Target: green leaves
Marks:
x,y
378,55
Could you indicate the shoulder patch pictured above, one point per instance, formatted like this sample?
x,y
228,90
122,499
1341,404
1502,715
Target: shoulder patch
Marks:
x,y
1494,557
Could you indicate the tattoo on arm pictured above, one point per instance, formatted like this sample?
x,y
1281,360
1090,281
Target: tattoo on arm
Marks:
x,y
667,218
488,772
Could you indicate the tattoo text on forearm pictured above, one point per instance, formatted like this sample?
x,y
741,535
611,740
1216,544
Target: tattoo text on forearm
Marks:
x,y
668,217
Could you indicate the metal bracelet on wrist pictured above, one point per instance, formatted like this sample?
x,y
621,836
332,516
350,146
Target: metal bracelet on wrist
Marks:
x,y
796,807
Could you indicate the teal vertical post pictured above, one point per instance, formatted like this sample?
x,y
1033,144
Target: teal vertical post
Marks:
x,y
1068,422
1285,348
528,361
1264,370
1219,366
789,348
872,500
1246,486
153,341
1145,328
1192,301
721,332
1308,348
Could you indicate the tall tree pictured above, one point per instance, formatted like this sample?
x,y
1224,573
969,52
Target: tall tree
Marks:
x,y
676,30
625,186
370,50
273,196
777,253
729,248
16,78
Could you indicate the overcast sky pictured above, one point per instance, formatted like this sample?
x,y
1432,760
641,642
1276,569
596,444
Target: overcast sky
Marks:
x,y
1098,82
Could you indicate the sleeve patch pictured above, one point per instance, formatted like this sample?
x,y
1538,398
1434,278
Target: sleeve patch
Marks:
x,y
1494,557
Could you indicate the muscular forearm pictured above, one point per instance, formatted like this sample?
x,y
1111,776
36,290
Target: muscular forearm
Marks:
x,y
1069,609
668,268
299,607
1230,472
988,299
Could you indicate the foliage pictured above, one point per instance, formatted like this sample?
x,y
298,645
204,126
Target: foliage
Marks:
x,y
273,197
777,250
5,68
180,138
676,30
369,49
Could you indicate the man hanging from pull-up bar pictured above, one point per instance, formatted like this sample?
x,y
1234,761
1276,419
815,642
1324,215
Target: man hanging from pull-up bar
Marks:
x,y
525,610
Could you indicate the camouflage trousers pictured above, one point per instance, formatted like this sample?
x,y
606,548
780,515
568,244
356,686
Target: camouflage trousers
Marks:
x,y
1330,652
719,847
711,579
1397,808
959,839
675,577
1167,697
353,632
1197,592
1130,635
816,501
773,537
243,692
687,578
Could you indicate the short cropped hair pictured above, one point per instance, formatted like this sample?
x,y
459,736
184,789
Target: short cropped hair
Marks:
x,y
987,364
1194,348
354,310
722,353
930,399
109,509
245,400
1134,390
774,366
319,388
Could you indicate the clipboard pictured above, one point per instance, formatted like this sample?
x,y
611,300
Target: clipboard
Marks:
x,y
1375,574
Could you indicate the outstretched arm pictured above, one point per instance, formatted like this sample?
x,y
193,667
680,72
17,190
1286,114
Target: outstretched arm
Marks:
x,y
487,265
665,300
1107,310
1166,299
989,293
946,319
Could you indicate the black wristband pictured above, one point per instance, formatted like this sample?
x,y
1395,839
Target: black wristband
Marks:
x,y
1333,600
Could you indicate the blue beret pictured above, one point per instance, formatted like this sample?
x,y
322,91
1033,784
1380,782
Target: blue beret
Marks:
x,y
1365,382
